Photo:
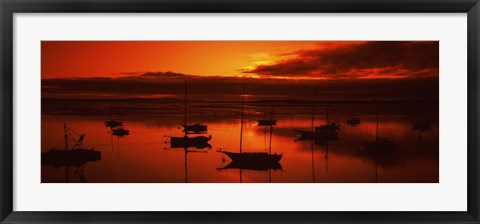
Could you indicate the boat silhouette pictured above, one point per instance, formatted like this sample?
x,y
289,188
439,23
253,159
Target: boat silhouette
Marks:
x,y
321,133
317,136
329,126
253,157
120,132
76,155
195,128
250,157
353,121
267,122
421,126
199,142
113,123
263,166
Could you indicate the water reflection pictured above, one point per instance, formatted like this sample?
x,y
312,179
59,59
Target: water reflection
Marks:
x,y
316,159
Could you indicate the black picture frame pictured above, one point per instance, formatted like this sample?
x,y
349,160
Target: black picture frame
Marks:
x,y
9,7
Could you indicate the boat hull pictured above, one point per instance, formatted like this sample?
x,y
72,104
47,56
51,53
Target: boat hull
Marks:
x,y
113,123
195,129
317,136
75,157
353,121
198,142
120,132
253,157
253,166
267,122
422,126
331,127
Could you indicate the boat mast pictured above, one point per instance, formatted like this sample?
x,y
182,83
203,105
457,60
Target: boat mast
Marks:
x,y
313,163
327,114
65,136
376,132
271,131
313,130
241,120
376,167
326,156
313,110
185,121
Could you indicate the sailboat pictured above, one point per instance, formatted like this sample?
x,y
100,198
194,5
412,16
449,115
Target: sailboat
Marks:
x,y
194,128
76,155
199,142
112,123
422,126
256,166
185,141
120,132
380,144
320,133
251,158
329,126
267,122
116,127
353,121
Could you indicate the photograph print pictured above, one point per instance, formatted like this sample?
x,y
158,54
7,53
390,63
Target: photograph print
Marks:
x,y
239,112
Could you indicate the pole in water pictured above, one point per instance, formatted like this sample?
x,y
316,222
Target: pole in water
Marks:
x,y
185,121
271,131
313,164
376,132
376,167
241,120
65,136
327,114
313,110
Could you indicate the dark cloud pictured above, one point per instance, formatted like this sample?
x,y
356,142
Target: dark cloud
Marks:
x,y
365,59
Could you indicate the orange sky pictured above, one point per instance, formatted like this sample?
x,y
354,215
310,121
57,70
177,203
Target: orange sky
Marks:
x,y
96,58
257,59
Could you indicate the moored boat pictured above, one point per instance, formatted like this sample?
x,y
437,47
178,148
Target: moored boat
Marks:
x,y
353,121
250,157
198,142
76,155
120,132
113,123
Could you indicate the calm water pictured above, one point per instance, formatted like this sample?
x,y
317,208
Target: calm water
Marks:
x,y
144,156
